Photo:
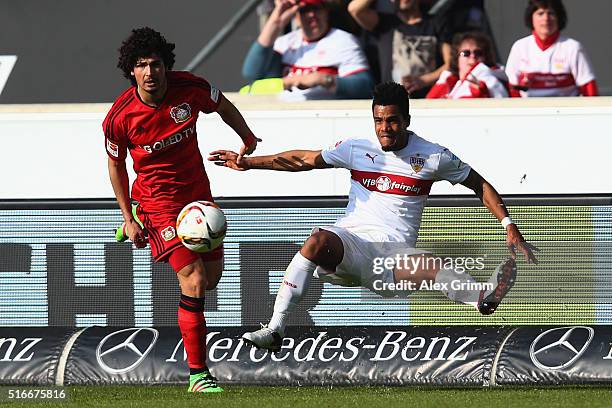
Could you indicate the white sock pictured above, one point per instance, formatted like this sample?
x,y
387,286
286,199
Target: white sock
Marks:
x,y
295,283
449,276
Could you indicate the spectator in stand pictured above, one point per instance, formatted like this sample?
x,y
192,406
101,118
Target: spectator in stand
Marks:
x,y
315,61
413,48
461,16
546,63
473,72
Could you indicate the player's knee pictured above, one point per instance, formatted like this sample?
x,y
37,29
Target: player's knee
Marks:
x,y
197,284
193,278
323,248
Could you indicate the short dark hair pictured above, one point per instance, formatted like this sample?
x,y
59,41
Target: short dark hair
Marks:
x,y
554,5
392,93
482,40
142,43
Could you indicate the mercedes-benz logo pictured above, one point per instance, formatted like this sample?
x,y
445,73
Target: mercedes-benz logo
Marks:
x,y
557,352
118,358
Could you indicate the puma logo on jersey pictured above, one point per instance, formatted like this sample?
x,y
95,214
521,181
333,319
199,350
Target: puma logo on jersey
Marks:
x,y
369,156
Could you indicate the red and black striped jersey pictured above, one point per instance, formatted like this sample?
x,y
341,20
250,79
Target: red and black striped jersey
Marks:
x,y
162,141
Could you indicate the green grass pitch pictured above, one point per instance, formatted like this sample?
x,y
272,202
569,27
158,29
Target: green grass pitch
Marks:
x,y
296,397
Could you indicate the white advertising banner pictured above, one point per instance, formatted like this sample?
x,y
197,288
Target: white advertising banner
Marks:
x,y
520,146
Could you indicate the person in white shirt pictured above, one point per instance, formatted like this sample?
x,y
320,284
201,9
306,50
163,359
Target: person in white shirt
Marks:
x,y
547,63
391,176
315,61
473,72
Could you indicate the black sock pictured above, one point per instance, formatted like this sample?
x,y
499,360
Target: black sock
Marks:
x,y
193,371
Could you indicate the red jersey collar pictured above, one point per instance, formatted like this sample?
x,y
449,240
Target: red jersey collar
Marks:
x,y
137,95
545,44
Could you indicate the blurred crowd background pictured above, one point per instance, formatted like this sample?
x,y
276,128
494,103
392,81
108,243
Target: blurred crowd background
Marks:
x,y
67,50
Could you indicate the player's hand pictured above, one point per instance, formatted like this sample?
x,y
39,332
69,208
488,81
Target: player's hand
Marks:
x,y
137,234
247,149
227,158
515,240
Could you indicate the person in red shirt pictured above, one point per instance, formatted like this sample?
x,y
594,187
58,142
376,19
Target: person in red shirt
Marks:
x,y
472,72
155,119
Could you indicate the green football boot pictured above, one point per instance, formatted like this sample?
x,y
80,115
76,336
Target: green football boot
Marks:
x,y
203,382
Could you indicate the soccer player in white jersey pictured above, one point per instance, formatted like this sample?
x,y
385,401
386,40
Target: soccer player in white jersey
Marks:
x,y
390,181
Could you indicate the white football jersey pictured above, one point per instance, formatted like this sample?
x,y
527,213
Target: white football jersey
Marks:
x,y
559,70
338,53
389,189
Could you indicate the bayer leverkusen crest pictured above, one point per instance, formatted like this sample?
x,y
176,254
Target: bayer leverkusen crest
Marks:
x,y
181,113
168,233
417,163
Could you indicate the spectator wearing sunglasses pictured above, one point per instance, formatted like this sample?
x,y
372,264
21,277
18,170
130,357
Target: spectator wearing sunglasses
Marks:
x,y
472,72
316,61
546,63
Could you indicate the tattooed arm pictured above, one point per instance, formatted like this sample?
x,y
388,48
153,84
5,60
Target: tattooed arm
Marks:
x,y
292,160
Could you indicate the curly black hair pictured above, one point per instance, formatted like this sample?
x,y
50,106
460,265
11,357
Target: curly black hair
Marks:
x,y
391,93
142,43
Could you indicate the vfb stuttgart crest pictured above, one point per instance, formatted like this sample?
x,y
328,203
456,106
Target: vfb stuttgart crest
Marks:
x,y
417,163
181,113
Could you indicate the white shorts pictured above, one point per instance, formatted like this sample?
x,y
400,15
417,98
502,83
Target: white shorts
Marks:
x,y
357,266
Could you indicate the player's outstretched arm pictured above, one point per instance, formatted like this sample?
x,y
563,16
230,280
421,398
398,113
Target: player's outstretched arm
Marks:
x,y
493,201
232,116
292,160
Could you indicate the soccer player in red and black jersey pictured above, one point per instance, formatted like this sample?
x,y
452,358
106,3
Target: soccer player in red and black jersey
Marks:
x,y
155,119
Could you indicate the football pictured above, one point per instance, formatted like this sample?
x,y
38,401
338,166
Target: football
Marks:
x,y
201,226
